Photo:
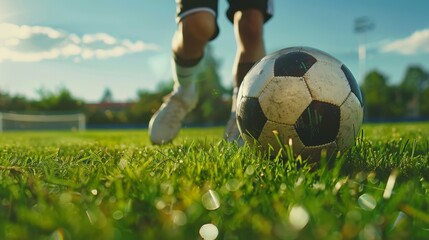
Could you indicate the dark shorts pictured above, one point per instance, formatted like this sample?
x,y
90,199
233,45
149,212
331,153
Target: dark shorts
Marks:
x,y
186,7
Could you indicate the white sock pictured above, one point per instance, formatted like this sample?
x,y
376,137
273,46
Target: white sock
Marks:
x,y
185,76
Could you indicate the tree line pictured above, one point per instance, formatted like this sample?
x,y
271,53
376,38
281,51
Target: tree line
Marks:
x,y
409,99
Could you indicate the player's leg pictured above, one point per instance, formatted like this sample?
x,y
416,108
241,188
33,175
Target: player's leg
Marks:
x,y
248,19
196,26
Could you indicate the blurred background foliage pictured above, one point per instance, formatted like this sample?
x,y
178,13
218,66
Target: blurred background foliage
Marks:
x,y
407,100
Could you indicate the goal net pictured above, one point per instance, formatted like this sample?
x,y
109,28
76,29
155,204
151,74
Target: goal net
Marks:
x,y
17,121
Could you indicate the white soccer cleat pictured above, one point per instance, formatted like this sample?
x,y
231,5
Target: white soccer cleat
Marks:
x,y
232,134
165,124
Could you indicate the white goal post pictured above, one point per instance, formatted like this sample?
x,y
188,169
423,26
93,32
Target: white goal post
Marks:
x,y
18,121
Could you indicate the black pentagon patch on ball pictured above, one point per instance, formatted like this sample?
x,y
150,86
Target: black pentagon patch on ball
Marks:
x,y
251,119
294,64
353,83
318,124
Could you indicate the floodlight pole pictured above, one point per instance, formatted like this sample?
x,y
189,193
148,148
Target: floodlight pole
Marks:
x,y
362,26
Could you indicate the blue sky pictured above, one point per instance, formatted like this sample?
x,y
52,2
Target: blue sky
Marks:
x,y
88,46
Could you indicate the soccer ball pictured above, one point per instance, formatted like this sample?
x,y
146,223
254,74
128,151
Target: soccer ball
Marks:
x,y
306,97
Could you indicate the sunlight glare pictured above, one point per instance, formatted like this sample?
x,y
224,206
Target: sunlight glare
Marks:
x,y
57,234
7,11
210,200
298,217
209,231
367,202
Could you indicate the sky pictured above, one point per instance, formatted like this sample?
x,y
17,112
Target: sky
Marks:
x,y
125,46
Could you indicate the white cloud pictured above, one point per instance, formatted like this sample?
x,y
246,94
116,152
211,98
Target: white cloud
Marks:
x,y
98,37
29,56
37,43
74,38
112,52
418,42
12,42
71,50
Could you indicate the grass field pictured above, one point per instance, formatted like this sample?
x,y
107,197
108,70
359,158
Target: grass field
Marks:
x,y
115,185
